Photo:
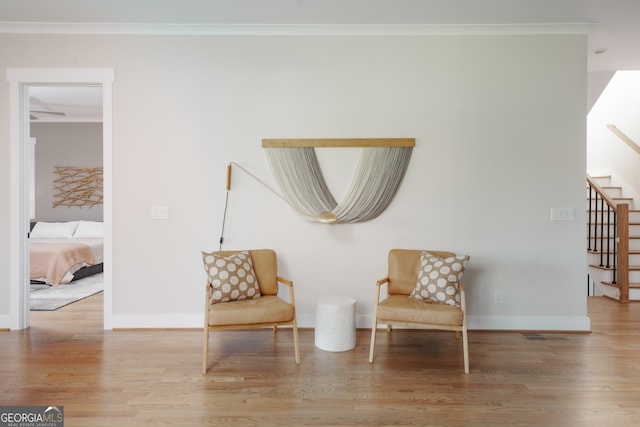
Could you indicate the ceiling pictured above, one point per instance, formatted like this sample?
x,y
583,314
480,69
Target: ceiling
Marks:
x,y
65,103
613,25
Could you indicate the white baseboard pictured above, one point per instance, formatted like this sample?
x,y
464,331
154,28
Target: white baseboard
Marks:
x,y
363,321
156,321
5,321
529,323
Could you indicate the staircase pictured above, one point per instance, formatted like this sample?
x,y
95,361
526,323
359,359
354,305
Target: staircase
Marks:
x,y
613,241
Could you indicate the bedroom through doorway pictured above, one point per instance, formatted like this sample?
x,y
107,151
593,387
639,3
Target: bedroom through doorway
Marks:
x,y
65,158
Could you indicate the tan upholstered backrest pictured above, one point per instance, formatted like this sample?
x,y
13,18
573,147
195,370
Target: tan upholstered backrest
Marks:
x,y
403,269
265,265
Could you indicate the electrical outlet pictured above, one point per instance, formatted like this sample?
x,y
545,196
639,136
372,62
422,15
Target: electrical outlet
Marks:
x,y
499,297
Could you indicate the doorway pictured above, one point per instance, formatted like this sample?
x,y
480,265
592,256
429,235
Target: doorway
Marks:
x,y
19,81
65,190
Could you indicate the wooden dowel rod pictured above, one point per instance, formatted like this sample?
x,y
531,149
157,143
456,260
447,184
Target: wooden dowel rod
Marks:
x,y
229,177
623,136
338,142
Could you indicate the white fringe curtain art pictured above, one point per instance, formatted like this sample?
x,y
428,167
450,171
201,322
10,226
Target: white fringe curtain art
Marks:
x,y
379,172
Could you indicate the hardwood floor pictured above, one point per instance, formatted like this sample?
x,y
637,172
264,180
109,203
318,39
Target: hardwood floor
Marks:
x,y
152,377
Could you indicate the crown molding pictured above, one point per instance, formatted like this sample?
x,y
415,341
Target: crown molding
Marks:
x,y
290,29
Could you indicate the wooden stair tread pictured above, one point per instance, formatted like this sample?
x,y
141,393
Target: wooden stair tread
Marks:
x,y
598,210
617,285
631,224
604,267
597,252
599,267
611,237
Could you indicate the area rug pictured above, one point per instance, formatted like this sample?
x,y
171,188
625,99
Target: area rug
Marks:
x,y
49,298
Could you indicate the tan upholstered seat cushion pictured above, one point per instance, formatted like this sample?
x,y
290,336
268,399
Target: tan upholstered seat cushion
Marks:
x,y
401,308
268,309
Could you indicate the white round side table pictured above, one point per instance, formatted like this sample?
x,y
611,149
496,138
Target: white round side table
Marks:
x,y
335,323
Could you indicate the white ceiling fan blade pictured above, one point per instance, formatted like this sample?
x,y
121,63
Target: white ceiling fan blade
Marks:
x,y
55,113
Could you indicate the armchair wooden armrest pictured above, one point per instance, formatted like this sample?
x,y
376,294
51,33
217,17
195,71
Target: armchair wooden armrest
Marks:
x,y
379,284
284,281
288,283
382,281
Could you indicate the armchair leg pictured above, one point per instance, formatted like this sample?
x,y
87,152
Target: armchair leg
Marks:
x,y
205,350
374,328
373,339
465,349
295,342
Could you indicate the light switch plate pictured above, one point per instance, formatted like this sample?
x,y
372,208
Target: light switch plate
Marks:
x,y
561,214
159,212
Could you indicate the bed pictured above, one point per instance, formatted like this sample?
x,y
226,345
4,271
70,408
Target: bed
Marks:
x,y
61,252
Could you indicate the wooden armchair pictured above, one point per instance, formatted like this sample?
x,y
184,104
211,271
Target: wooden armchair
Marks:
x,y
267,310
399,308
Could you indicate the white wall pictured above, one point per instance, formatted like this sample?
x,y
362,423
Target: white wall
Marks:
x,y
598,81
499,123
617,105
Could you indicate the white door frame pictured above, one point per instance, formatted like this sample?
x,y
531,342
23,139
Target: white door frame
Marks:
x,y
19,80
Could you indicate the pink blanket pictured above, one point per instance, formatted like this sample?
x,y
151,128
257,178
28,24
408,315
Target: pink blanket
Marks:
x,y
53,260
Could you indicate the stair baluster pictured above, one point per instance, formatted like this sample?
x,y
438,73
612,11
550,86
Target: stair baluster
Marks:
x,y
608,240
615,230
602,232
589,215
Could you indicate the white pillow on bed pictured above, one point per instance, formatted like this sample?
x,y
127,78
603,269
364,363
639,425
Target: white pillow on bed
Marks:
x,y
53,230
89,230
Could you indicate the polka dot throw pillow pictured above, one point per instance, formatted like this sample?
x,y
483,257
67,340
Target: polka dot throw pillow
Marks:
x,y
232,277
438,278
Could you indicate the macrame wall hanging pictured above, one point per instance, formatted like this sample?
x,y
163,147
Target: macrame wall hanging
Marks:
x,y
75,186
